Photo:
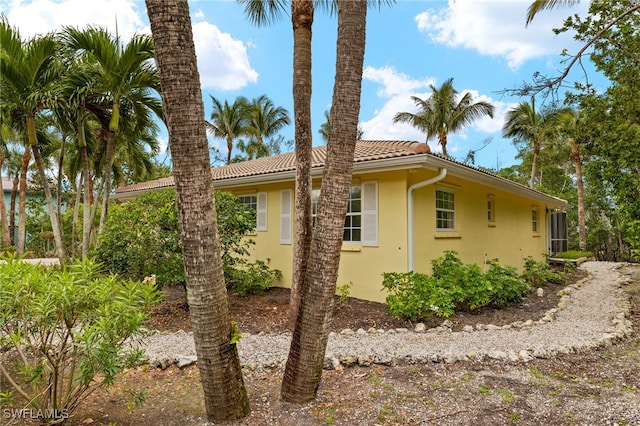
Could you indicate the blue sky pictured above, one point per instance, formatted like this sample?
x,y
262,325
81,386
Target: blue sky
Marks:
x,y
482,44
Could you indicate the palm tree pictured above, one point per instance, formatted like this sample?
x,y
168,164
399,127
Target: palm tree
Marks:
x,y
324,128
523,122
442,113
264,119
4,223
123,85
28,71
569,127
220,371
302,13
303,370
540,5
229,122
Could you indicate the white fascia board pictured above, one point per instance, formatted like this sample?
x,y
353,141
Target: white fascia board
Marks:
x,y
503,184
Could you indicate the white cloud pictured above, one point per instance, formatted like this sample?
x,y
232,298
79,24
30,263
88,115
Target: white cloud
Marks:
x,y
496,28
42,16
396,90
222,60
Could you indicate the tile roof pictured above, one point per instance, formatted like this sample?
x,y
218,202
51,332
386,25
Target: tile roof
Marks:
x,y
365,151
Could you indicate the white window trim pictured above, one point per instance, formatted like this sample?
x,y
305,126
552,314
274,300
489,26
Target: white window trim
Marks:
x,y
455,221
285,216
368,215
536,209
261,211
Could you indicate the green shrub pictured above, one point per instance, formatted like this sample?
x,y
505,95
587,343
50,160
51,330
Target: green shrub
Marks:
x,y
538,273
506,285
573,254
416,296
63,332
453,286
142,238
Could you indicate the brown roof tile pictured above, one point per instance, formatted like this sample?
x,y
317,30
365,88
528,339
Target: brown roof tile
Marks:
x,y
365,151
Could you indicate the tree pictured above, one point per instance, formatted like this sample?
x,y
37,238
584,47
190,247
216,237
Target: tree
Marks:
x,y
28,71
303,370
123,86
443,113
609,18
569,128
540,5
265,119
215,338
4,223
324,128
523,122
302,11
229,121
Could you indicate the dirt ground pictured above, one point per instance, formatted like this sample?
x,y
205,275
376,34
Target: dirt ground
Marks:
x,y
596,387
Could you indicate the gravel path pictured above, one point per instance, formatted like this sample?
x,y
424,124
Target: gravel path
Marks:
x,y
590,313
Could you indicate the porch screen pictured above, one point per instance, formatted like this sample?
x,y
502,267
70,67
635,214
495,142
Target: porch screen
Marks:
x,y
558,232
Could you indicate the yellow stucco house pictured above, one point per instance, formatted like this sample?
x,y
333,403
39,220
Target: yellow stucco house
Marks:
x,y
406,207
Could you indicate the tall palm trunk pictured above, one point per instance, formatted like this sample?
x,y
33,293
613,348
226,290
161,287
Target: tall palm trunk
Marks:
x,y
86,201
76,215
442,140
22,202
220,372
55,223
302,19
306,356
6,239
106,179
12,208
582,228
534,163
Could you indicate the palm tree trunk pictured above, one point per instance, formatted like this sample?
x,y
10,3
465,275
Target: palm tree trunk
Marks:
x,y
534,164
59,186
218,361
22,203
106,179
308,347
582,228
442,139
55,224
12,208
6,240
302,18
86,202
76,214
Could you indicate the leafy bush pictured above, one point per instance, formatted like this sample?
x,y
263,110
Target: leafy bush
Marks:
x,y
453,286
506,285
142,238
416,296
538,273
573,254
63,332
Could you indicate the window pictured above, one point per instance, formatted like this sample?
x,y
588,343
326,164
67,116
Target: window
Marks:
x,y
491,210
445,211
257,202
534,219
361,222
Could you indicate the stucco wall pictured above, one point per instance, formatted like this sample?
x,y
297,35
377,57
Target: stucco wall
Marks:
x,y
509,239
